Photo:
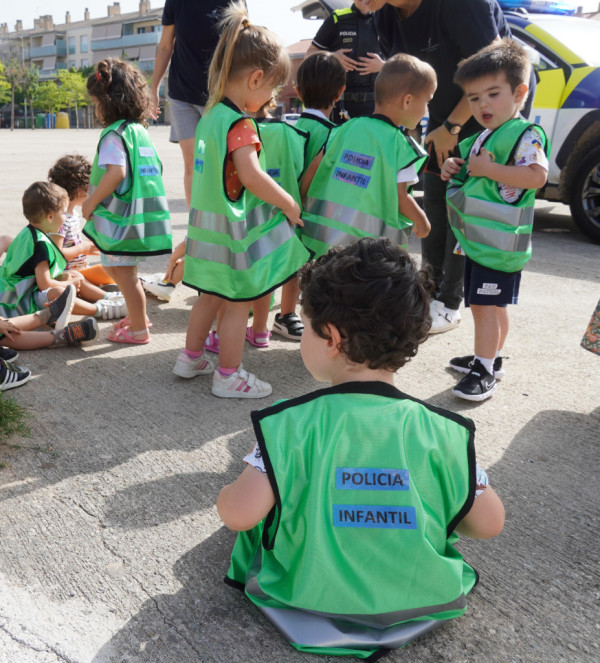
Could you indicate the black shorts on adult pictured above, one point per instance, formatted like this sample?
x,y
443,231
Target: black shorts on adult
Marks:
x,y
490,287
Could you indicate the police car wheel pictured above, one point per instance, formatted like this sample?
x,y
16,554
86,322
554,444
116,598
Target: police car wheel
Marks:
x,y
585,195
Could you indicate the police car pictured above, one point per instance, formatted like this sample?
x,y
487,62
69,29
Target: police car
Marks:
x,y
565,52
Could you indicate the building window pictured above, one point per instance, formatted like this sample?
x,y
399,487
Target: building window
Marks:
x,y
71,45
84,63
72,64
127,29
83,44
141,31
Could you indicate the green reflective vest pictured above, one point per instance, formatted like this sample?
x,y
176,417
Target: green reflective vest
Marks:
x,y
357,553
236,249
318,130
492,232
17,276
137,221
354,192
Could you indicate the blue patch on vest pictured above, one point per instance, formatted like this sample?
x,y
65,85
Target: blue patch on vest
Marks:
x,y
378,517
274,172
198,165
351,177
370,478
148,170
357,159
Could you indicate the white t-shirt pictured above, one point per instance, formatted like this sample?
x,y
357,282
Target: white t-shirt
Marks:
x,y
112,152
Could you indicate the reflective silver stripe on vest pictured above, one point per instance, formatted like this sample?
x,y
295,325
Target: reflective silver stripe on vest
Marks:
x,y
237,230
303,628
21,289
139,206
485,209
381,620
495,239
366,223
244,259
130,232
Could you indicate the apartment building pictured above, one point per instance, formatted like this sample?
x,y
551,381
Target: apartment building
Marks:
x,y
132,36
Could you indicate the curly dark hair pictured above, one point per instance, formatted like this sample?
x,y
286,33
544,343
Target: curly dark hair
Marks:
x,y
120,90
72,172
374,294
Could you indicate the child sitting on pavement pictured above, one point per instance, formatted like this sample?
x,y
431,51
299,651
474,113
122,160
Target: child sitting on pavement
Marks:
x,y
360,185
72,172
491,200
33,272
323,491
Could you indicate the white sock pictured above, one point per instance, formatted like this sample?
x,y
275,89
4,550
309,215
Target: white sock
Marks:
x,y
488,364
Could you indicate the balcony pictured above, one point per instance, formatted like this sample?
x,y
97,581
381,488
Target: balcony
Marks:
x,y
60,48
144,39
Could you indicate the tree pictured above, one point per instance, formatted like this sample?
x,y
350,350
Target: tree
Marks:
x,y
4,86
31,82
49,97
14,75
73,88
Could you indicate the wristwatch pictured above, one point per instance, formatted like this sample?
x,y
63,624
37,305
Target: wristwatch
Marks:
x,y
453,129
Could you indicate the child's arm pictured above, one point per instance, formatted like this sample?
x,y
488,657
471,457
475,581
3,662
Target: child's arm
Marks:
x,y
71,252
309,174
407,206
108,184
486,517
451,167
8,328
532,176
254,178
45,281
176,257
245,502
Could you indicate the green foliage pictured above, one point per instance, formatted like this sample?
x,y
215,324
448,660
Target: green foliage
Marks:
x,y
13,418
4,86
49,97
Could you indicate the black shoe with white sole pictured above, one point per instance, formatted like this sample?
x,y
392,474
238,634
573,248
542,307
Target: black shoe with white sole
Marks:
x,y
8,354
12,376
465,364
478,385
61,307
288,325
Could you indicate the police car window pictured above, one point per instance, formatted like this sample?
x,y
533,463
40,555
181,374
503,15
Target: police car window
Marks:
x,y
539,61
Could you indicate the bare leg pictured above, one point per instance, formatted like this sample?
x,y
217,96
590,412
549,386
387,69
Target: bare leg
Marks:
x,y
201,318
289,296
91,292
260,313
503,321
187,150
487,330
232,333
29,340
129,284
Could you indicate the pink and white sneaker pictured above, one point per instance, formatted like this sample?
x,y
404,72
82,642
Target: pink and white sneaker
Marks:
x,y
240,384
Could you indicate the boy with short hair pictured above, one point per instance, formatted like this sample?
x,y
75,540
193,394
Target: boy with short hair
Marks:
x,y
491,200
321,81
32,273
353,494
360,185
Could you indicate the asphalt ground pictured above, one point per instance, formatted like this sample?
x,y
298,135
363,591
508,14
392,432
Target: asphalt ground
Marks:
x,y
111,549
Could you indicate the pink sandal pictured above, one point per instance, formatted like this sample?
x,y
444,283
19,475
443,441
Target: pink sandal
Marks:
x,y
126,335
125,322
258,339
212,342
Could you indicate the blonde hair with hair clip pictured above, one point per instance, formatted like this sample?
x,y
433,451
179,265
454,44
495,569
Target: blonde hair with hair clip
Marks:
x,y
242,48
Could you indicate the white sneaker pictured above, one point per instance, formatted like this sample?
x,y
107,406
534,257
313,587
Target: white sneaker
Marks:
x,y
443,319
155,285
186,367
112,296
111,309
240,384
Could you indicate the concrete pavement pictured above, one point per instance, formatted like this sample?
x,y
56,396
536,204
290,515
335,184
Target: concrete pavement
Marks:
x,y
111,550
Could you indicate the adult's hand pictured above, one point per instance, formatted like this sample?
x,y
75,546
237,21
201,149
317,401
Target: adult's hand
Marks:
x,y
370,63
348,63
443,143
154,105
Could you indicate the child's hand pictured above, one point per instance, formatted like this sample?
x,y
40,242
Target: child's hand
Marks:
x,y
86,209
89,248
8,328
171,268
451,167
293,215
421,228
479,164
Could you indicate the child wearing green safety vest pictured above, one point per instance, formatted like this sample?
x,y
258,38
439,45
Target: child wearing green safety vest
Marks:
x,y
359,185
127,210
349,507
237,250
320,83
490,200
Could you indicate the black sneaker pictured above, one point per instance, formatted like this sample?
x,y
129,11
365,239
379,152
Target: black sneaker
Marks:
x,y
8,354
465,364
78,332
478,385
61,307
288,325
12,376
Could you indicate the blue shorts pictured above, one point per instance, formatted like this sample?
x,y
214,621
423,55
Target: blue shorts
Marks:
x,y
490,287
184,119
